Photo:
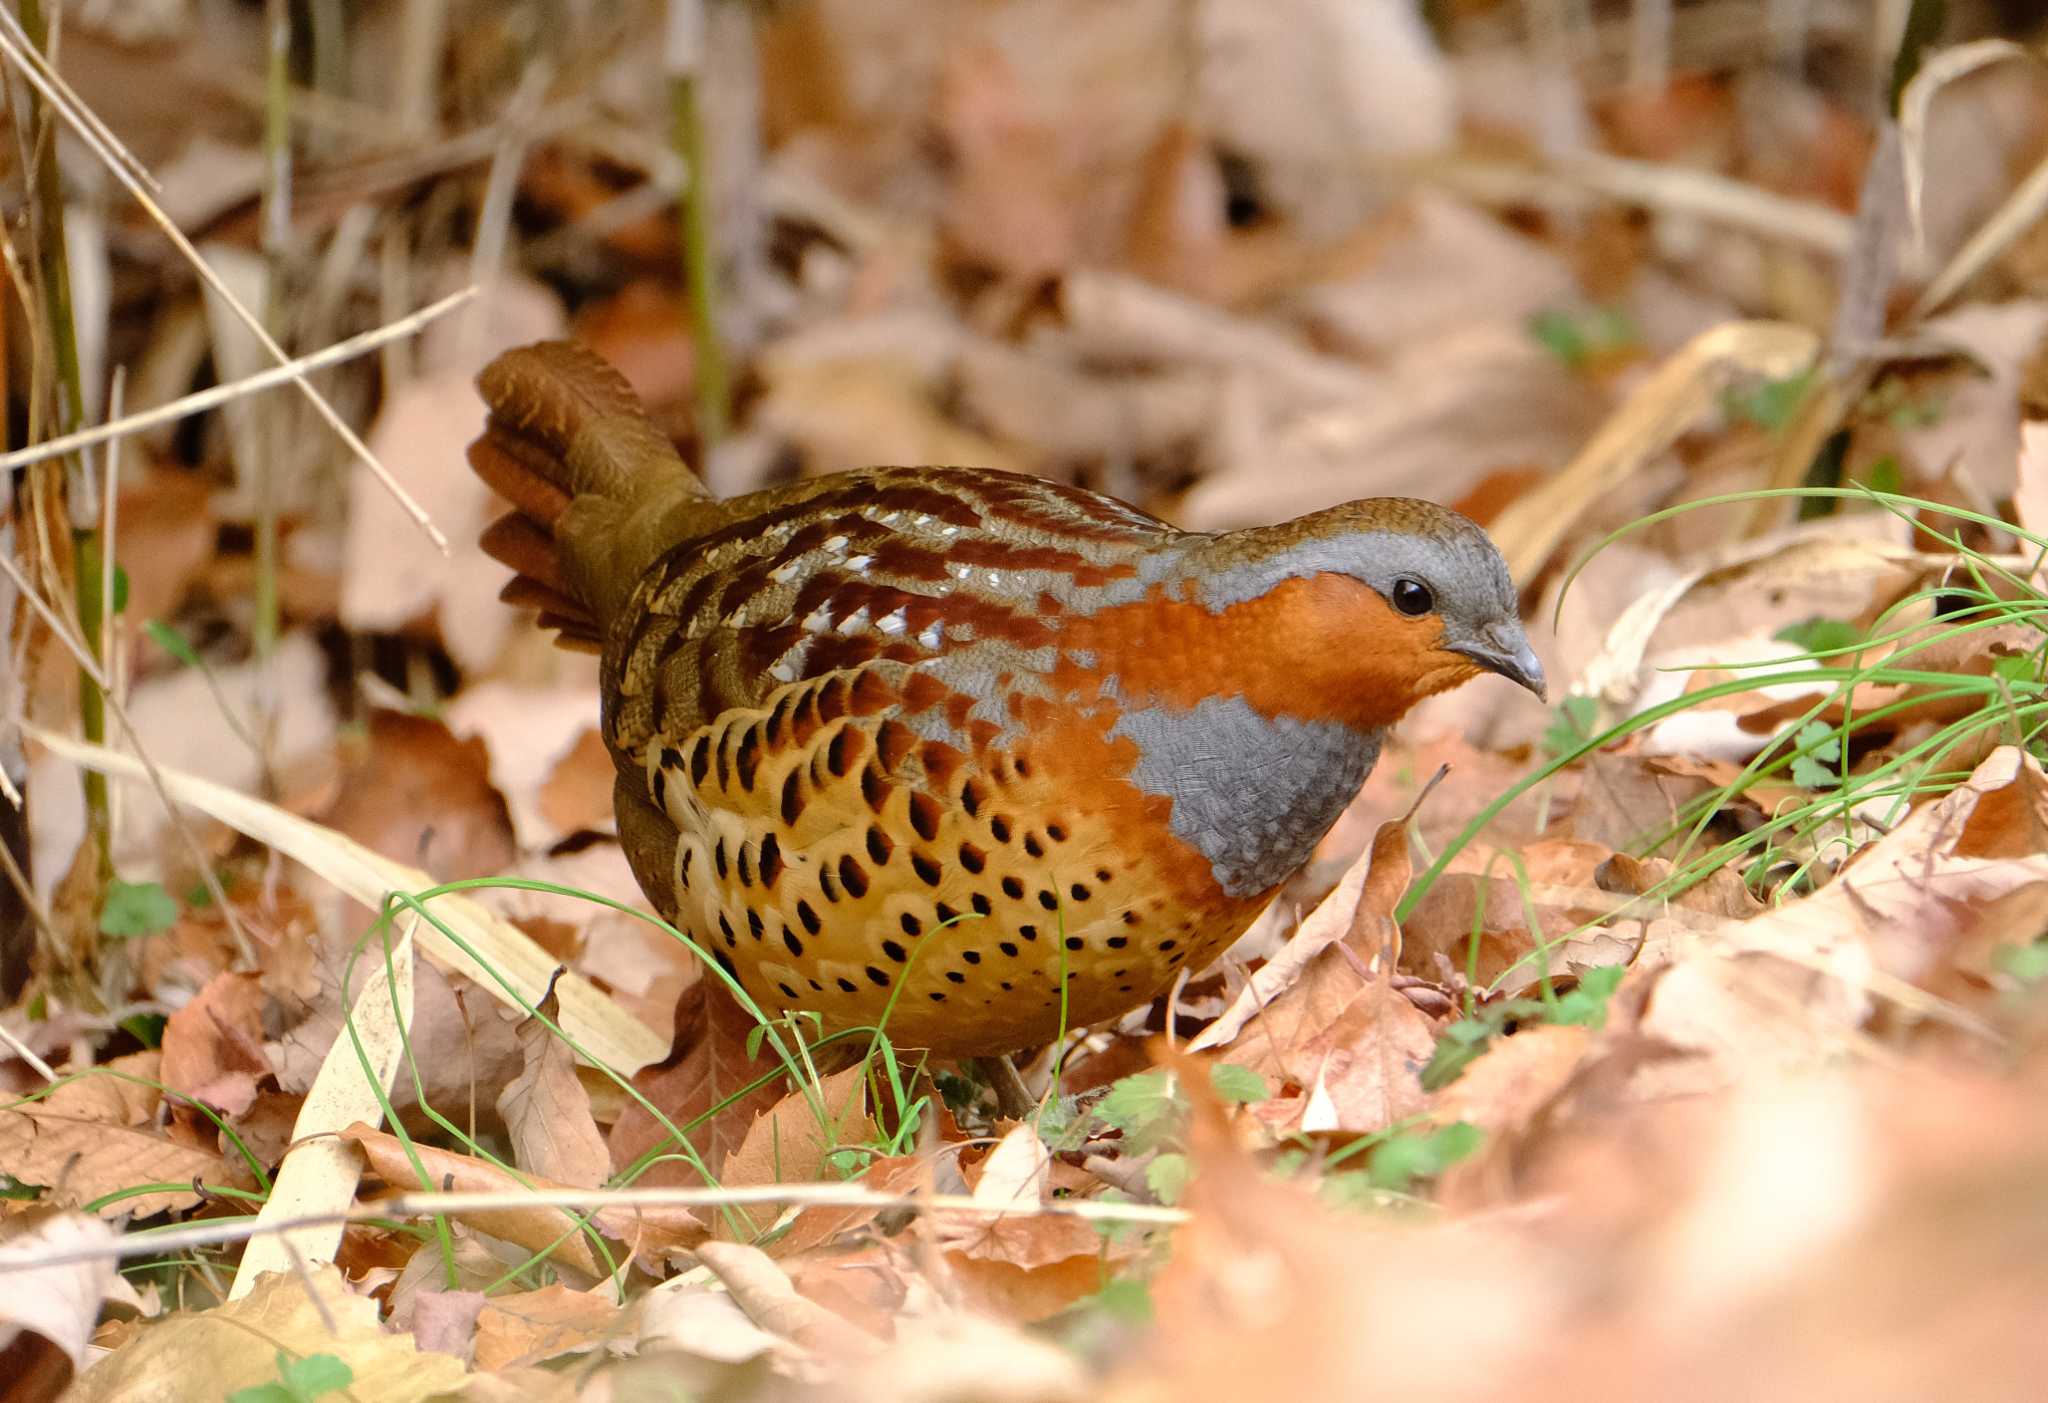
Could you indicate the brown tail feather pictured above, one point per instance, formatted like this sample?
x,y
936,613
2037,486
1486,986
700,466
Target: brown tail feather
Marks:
x,y
591,479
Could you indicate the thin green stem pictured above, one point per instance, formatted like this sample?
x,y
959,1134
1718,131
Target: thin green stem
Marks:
x,y
700,261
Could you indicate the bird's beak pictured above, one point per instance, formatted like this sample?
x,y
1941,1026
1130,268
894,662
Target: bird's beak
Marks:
x,y
1506,650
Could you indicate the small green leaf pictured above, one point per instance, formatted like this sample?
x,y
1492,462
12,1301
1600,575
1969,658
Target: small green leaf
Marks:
x,y
1397,1162
1586,1005
145,1028
1821,749
1125,1299
120,589
263,1393
1582,337
317,1374
136,908
2017,667
171,641
1167,1176
299,1380
1769,404
1458,1048
1239,1084
1818,635
1143,1108
1571,724
2026,963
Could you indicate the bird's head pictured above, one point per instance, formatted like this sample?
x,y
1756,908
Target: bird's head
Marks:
x,y
1416,593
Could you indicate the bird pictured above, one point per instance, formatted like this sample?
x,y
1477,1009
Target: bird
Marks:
x,y
970,756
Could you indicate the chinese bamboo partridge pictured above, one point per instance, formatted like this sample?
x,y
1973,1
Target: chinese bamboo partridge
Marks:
x,y
915,745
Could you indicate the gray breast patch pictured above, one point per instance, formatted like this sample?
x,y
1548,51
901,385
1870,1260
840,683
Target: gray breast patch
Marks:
x,y
1253,794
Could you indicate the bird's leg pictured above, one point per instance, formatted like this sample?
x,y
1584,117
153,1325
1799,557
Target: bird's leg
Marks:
x,y
1012,1099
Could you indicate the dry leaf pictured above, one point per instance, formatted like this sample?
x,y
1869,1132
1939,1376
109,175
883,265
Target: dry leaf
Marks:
x,y
210,1354
77,1161
547,1111
213,1046
60,1302
790,1142
648,1232
527,1327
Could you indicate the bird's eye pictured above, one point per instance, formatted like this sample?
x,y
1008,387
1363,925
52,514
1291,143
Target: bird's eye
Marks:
x,y
1412,597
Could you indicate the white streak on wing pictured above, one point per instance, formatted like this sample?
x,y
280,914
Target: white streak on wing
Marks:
x,y
932,634
854,622
892,623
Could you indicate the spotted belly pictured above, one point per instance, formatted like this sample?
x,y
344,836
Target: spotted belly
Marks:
x,y
967,900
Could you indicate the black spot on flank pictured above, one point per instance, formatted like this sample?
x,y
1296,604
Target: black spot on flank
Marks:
x,y
895,952
683,868
661,789
982,905
746,758
827,884
1028,932
839,751
1117,942
1074,942
973,957
787,992
879,846
945,913
1078,892
809,917
777,717
1056,832
972,858
671,758
1008,987
771,860
927,870
999,827
1008,949
718,857
743,860
725,963
912,925
1033,846
955,976
924,815
971,798
700,760
873,787
1130,918
792,796
1125,989
1049,901
848,985
1119,974
816,987
1168,944
937,997
725,929
1013,888
754,924
877,978
853,877
1102,874
1023,768
789,940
